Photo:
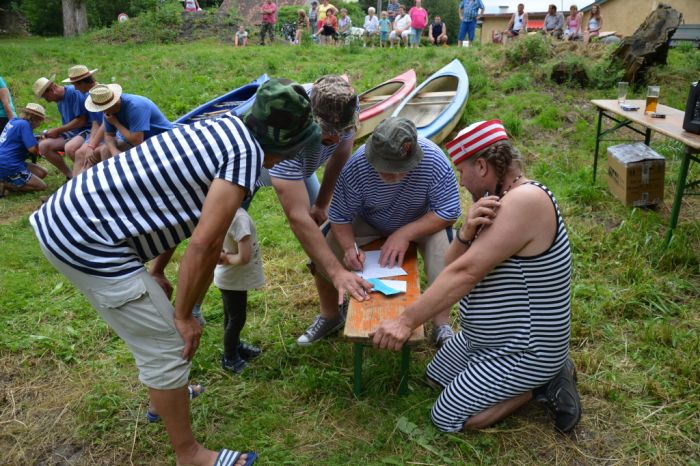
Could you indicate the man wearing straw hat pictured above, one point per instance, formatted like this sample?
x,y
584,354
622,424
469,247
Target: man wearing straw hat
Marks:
x,y
15,141
74,120
400,187
184,183
129,119
510,271
82,146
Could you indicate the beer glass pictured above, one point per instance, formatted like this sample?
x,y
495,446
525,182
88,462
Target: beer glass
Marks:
x,y
652,99
622,87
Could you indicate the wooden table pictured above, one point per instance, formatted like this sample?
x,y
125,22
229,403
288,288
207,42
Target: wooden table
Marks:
x,y
671,126
363,317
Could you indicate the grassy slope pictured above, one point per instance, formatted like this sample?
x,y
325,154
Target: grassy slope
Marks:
x,y
70,388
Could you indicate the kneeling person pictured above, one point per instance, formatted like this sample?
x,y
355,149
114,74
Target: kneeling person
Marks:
x,y
15,141
400,187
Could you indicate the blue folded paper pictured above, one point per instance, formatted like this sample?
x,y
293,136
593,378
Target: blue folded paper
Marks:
x,y
383,288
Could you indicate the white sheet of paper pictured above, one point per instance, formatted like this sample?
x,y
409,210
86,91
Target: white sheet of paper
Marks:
x,y
374,270
396,284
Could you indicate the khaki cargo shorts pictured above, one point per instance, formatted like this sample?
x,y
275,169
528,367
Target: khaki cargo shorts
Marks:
x,y
138,310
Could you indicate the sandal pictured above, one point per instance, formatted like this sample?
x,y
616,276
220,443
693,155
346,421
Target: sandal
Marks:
x,y
229,458
194,391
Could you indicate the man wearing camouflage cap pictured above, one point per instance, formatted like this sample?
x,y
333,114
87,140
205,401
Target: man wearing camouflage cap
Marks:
x,y
335,107
186,182
400,187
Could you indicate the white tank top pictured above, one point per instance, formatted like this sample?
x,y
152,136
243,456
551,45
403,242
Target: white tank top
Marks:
x,y
518,24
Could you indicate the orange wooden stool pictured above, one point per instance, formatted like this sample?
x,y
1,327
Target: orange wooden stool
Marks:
x,y
363,317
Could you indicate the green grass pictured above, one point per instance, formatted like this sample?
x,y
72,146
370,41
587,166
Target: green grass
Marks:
x,y
69,385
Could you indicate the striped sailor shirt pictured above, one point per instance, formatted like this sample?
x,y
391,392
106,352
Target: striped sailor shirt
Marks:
x,y
129,209
430,187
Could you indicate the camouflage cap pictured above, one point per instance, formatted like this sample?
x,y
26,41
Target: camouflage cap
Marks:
x,y
393,146
335,104
281,119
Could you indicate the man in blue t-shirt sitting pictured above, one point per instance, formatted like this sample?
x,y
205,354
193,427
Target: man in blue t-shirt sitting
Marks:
x,y
74,120
128,119
400,187
15,141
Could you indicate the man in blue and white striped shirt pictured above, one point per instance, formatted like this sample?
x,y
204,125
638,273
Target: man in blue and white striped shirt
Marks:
x,y
400,187
100,228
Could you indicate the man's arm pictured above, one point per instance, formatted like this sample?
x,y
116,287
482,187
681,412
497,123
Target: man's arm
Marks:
x,y
5,99
336,162
75,123
157,271
345,237
525,22
201,255
396,245
430,33
295,202
511,22
134,138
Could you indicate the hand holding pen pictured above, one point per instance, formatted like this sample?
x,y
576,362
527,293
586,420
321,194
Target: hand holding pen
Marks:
x,y
355,258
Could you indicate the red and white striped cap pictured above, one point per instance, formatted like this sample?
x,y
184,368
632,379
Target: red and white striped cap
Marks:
x,y
474,138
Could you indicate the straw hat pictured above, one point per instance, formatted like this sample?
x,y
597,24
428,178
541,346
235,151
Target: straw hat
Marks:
x,y
35,110
103,96
78,72
41,84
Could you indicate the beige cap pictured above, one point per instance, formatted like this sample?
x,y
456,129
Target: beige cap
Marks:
x,y
34,109
78,72
41,84
103,96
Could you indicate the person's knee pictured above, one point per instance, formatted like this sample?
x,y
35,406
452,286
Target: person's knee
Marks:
x,y
35,184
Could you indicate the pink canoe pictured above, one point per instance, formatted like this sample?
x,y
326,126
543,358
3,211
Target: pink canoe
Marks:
x,y
379,102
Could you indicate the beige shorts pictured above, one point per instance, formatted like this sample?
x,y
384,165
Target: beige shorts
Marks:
x,y
432,248
138,310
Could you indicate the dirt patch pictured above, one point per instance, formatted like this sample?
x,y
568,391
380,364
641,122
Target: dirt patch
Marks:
x,y
61,455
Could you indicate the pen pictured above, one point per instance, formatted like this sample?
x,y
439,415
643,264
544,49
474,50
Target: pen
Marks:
x,y
357,253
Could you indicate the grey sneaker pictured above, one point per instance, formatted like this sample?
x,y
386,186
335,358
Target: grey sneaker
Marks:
x,y
441,334
321,328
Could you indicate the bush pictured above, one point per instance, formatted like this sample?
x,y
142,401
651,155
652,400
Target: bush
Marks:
x,y
528,49
161,25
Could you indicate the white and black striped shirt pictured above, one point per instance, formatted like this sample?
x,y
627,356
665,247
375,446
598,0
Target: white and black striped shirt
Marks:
x,y
430,186
129,209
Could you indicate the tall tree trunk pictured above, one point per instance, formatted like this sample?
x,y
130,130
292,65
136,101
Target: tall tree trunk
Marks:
x,y
225,7
74,17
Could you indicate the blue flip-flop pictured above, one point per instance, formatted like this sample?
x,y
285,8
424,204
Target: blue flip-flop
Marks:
x,y
229,457
153,417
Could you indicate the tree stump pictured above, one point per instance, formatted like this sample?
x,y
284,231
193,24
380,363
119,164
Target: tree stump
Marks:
x,y
648,46
570,73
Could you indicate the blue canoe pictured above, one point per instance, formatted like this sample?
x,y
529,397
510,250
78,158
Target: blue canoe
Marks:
x,y
436,106
238,101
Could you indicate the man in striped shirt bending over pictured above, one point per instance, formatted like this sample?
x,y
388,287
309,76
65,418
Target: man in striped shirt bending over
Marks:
x,y
400,187
510,271
100,228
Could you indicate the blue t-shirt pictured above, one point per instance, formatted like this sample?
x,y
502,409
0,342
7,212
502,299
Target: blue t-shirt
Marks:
x,y
430,187
3,85
15,140
384,25
72,106
140,115
470,9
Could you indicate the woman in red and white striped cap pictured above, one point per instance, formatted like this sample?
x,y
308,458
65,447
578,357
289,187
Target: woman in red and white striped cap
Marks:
x,y
510,271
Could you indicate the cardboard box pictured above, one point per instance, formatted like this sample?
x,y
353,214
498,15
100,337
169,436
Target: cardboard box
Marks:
x,y
636,174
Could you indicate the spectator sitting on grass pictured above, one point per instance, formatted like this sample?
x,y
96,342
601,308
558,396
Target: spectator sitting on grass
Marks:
x,y
437,32
240,39
371,26
574,24
517,24
328,31
402,29
344,25
595,23
16,140
553,23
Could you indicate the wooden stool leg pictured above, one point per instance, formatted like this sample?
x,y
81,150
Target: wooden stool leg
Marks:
x,y
405,359
357,382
